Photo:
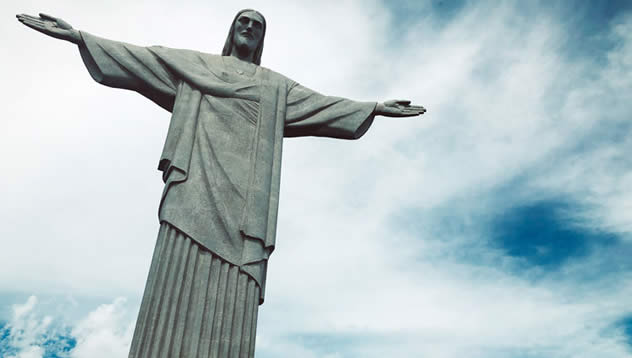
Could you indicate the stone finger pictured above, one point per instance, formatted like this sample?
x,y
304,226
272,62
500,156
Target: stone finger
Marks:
x,y
47,17
30,17
33,24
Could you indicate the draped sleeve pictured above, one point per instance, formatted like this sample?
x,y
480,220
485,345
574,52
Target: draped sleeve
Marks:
x,y
310,113
136,68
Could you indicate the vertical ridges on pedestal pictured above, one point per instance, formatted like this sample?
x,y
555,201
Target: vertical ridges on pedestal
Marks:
x,y
195,304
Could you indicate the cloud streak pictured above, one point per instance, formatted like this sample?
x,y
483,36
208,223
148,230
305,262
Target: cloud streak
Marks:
x,y
104,332
386,245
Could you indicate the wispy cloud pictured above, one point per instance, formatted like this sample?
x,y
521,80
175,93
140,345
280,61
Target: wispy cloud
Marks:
x,y
31,334
413,241
104,332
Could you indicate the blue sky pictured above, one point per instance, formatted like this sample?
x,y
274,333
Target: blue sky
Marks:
x,y
497,225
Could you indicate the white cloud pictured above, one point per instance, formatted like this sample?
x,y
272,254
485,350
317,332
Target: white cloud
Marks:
x,y
30,352
27,329
600,177
106,332
20,310
504,101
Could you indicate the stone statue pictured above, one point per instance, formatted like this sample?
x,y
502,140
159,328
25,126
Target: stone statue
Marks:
x,y
221,167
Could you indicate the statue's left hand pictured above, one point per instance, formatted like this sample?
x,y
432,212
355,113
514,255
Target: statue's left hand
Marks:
x,y
398,108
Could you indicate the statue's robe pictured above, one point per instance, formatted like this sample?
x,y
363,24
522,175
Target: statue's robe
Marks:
x,y
221,166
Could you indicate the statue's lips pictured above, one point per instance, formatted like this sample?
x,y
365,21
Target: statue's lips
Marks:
x,y
248,35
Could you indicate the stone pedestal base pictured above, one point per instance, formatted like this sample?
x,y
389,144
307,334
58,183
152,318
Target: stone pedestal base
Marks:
x,y
195,304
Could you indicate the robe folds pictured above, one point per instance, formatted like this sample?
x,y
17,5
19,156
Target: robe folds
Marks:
x,y
221,160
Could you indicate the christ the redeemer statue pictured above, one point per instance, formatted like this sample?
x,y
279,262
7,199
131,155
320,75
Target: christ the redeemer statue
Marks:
x,y
221,166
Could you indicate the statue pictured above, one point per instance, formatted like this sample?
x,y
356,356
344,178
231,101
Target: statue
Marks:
x,y
221,168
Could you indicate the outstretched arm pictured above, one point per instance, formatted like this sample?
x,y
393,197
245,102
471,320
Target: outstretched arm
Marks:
x,y
310,113
398,108
51,26
112,63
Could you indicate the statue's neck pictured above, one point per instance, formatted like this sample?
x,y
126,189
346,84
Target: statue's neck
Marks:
x,y
243,53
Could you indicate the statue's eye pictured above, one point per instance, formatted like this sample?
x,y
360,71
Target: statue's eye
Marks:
x,y
257,25
243,20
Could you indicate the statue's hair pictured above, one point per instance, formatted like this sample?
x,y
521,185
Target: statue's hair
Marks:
x,y
228,46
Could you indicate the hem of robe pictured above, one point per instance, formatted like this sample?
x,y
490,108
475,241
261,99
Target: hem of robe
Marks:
x,y
246,268
195,304
366,124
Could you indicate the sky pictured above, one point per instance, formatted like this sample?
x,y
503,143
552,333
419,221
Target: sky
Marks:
x,y
498,224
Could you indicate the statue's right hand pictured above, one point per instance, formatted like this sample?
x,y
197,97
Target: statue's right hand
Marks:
x,y
51,26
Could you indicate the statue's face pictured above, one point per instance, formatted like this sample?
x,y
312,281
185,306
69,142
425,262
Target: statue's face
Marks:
x,y
248,31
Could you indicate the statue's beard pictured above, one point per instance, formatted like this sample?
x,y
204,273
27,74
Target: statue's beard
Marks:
x,y
242,49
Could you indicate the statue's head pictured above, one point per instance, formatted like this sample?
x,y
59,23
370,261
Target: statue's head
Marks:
x,y
246,35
